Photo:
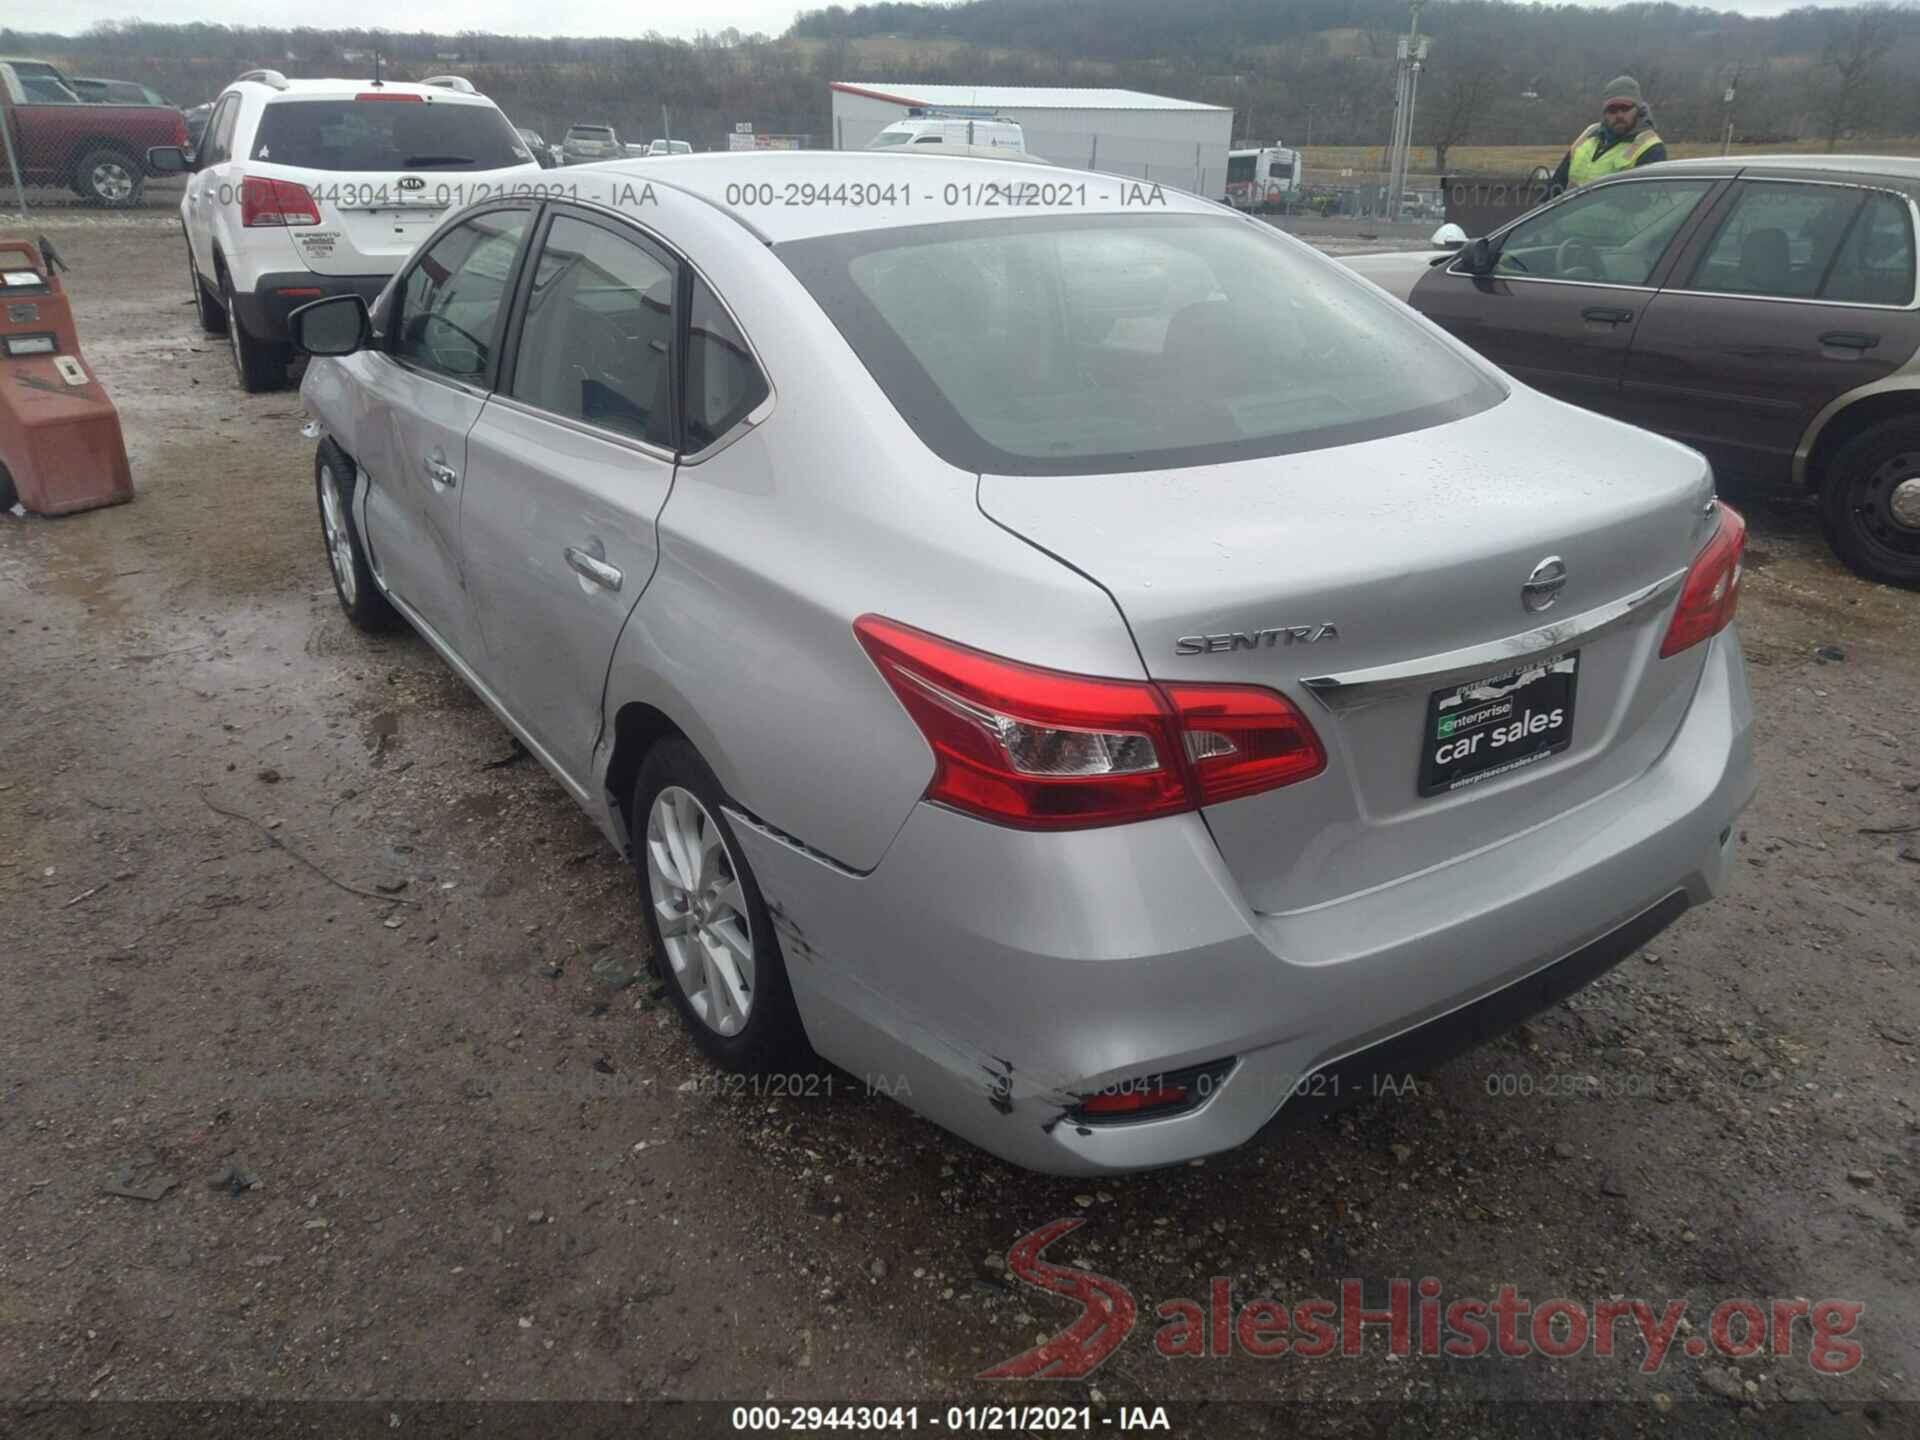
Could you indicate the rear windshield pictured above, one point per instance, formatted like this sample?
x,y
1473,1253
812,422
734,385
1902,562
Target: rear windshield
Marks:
x,y
1084,344
591,132
387,135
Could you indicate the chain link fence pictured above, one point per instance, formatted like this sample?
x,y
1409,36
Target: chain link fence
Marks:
x,y
62,154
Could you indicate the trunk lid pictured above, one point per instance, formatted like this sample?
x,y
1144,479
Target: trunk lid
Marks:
x,y
1396,566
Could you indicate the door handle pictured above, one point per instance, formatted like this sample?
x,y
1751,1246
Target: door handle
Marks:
x,y
606,576
1607,314
1850,339
439,472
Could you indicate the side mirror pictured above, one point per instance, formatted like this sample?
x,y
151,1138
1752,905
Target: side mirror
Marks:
x,y
1481,256
337,325
169,160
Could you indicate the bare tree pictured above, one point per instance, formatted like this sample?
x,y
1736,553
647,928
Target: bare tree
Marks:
x,y
1458,106
1851,77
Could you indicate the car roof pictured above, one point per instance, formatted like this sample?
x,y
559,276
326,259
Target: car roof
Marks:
x,y
347,89
816,205
1902,167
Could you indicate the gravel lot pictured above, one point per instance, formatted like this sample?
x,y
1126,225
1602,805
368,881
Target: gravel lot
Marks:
x,y
428,1142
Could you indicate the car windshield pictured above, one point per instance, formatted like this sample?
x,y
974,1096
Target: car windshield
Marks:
x,y
891,137
1085,344
391,134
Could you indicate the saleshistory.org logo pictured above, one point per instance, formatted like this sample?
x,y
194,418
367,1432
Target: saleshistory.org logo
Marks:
x,y
1414,1316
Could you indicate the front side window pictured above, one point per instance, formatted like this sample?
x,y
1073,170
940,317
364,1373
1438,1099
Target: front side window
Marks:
x,y
723,383
451,301
1094,343
597,342
1777,240
387,134
1613,235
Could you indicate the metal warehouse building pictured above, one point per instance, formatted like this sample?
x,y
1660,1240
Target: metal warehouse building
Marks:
x,y
1123,132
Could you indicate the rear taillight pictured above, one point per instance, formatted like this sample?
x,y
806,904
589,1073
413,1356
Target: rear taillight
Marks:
x,y
266,201
1712,591
1045,750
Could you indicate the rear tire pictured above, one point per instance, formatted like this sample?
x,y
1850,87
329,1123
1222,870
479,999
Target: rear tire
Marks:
x,y
109,178
260,364
335,478
1870,503
707,925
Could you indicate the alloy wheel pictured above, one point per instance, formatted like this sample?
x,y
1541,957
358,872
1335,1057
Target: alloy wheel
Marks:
x,y
333,520
693,883
111,181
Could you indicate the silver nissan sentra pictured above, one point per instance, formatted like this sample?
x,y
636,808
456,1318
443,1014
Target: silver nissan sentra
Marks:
x,y
1060,650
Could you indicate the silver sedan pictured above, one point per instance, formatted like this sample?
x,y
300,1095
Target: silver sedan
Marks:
x,y
1056,648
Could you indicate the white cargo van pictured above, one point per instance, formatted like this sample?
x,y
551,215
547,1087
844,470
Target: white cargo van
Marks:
x,y
953,133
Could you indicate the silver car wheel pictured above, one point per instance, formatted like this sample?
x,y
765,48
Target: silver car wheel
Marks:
x,y
693,881
111,181
333,519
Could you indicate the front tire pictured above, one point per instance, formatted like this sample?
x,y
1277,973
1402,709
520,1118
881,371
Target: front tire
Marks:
x,y
334,479
260,364
1870,503
708,927
109,178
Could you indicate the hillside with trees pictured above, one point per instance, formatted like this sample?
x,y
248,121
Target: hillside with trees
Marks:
x,y
1318,71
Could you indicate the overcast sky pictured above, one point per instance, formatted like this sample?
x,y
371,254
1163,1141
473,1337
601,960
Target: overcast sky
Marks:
x,y
506,17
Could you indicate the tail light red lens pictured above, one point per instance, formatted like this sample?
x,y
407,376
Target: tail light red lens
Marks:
x,y
1241,740
266,201
1712,591
1046,750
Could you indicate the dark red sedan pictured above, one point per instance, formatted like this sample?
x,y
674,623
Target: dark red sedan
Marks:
x,y
1762,310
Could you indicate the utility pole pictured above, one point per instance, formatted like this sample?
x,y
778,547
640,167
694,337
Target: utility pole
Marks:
x,y
1733,86
1310,110
1412,56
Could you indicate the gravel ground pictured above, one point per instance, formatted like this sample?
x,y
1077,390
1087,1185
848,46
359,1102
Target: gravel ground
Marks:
x,y
437,1136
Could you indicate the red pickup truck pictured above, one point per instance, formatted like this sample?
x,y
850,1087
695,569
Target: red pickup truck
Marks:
x,y
99,151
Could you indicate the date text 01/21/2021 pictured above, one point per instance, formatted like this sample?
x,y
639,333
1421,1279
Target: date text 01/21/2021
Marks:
x,y
958,1419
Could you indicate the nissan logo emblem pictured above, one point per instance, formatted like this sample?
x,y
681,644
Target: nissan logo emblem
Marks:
x,y
412,182
1544,585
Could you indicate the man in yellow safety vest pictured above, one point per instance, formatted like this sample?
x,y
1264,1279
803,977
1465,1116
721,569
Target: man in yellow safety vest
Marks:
x,y
1622,139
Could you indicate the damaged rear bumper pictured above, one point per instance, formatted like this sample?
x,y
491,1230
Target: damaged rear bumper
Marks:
x,y
992,979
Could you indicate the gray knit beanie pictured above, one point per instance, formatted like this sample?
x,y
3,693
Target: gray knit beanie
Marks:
x,y
1621,87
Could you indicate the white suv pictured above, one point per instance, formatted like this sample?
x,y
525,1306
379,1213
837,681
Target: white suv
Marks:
x,y
308,188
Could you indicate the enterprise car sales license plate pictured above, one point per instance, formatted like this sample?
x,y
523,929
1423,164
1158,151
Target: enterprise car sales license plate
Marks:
x,y
1498,725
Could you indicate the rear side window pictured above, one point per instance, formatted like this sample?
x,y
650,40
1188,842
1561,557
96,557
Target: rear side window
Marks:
x,y
219,136
1875,263
597,342
386,135
723,383
1777,240
1092,343
451,300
